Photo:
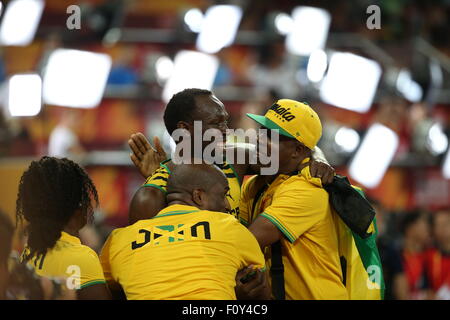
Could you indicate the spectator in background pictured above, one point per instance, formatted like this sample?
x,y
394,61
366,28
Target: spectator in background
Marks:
x,y
438,257
390,254
6,235
416,236
122,72
19,282
63,141
275,69
266,99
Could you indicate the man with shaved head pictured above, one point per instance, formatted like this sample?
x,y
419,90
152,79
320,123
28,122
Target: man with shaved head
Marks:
x,y
191,250
189,183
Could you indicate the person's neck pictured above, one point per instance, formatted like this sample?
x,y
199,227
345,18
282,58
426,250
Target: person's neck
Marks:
x,y
180,202
72,231
412,245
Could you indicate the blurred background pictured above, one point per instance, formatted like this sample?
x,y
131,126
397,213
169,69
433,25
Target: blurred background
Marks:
x,y
77,78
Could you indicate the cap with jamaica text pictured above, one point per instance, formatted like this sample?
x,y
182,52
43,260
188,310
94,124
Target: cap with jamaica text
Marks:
x,y
292,119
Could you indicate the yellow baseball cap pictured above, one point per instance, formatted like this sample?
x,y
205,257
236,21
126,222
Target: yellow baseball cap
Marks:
x,y
292,119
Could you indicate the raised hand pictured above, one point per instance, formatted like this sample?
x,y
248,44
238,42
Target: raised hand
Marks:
x,y
144,156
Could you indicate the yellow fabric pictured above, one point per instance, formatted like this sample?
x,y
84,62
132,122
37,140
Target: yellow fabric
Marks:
x,y
178,260
68,252
298,119
159,180
298,206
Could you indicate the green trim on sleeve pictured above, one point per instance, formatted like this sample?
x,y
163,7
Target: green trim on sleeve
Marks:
x,y
162,164
155,186
92,282
278,224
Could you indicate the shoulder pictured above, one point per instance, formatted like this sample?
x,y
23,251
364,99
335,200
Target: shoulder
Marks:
x,y
118,233
302,187
222,220
83,255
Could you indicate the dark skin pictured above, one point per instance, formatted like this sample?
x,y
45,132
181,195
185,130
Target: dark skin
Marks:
x,y
147,202
292,153
96,291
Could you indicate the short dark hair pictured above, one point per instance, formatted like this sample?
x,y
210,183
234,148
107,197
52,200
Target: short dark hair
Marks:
x,y
410,218
50,191
181,107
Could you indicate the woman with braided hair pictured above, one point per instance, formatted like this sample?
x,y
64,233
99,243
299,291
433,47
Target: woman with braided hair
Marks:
x,y
56,199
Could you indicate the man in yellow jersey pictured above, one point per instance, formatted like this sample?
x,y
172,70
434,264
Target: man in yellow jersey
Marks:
x,y
290,212
183,109
55,198
190,250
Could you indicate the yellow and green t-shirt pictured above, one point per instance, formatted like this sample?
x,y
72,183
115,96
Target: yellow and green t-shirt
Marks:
x,y
159,180
298,206
182,253
69,259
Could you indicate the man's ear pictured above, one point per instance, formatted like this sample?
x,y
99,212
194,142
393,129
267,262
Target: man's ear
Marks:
x,y
301,151
298,150
198,196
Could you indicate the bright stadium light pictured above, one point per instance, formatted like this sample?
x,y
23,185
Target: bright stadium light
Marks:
x,y
219,28
437,141
164,68
351,82
309,31
374,155
75,78
191,70
284,23
20,22
193,18
410,89
347,139
24,95
317,65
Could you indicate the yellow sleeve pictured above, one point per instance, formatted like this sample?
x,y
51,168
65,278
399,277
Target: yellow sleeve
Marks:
x,y
296,207
247,247
91,271
158,179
